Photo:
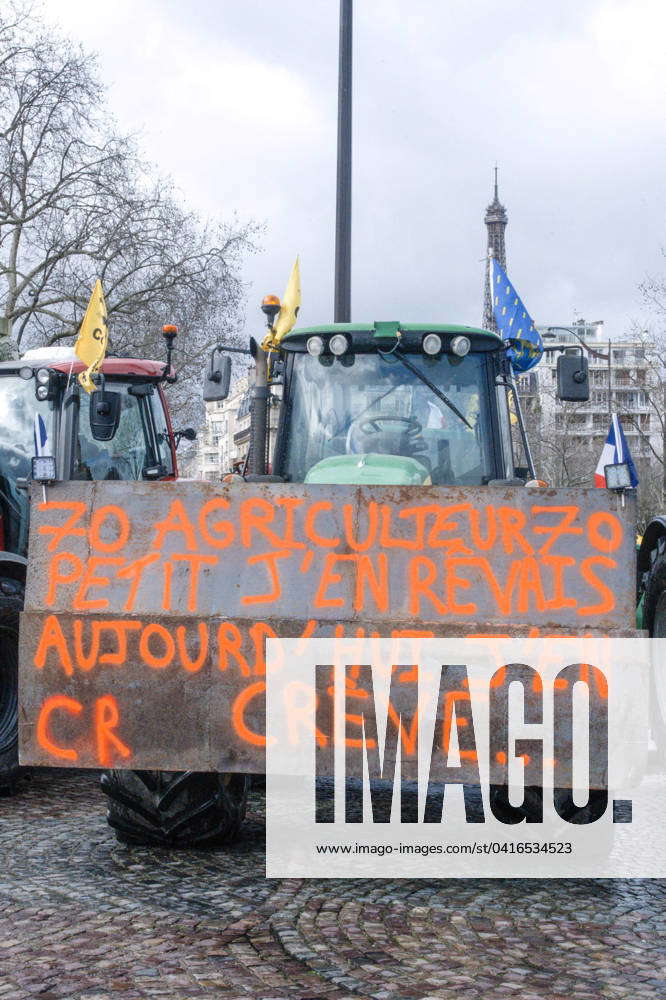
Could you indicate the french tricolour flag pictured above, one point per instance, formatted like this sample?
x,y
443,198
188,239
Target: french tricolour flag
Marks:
x,y
41,437
615,450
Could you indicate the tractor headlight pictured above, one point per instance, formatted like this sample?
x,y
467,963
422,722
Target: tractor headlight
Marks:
x,y
338,344
42,392
315,346
43,376
43,469
618,476
460,346
432,344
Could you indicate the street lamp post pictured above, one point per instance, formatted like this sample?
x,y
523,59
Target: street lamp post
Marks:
x,y
342,295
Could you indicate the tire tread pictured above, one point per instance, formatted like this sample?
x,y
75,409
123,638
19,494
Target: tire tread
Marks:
x,y
11,604
175,808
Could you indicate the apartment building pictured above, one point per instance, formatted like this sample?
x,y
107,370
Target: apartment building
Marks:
x,y
622,381
224,441
217,451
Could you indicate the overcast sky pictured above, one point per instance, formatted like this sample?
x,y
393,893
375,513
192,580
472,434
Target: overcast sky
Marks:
x,y
236,99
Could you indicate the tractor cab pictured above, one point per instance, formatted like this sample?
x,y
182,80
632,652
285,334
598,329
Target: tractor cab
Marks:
x,y
120,431
387,404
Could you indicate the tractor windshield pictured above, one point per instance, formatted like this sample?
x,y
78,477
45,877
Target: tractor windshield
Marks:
x,y
139,447
18,407
373,404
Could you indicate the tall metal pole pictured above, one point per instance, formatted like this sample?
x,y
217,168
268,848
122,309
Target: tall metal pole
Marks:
x,y
342,300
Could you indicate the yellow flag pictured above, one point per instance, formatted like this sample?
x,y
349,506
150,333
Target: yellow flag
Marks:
x,y
291,303
93,337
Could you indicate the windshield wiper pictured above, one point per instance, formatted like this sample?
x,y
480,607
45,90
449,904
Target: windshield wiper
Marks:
x,y
431,385
375,401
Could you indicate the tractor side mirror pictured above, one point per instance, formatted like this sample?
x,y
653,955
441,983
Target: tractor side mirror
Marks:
x,y
104,414
573,385
218,377
188,433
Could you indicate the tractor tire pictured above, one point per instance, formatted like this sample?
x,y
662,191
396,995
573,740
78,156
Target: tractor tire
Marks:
x,y
175,808
11,604
654,619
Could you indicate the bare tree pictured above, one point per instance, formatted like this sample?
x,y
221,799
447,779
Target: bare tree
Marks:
x,y
77,203
649,494
569,455
564,453
653,291
639,398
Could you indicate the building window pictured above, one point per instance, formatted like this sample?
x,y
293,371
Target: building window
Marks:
x,y
244,406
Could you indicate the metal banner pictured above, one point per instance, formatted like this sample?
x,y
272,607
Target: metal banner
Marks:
x,y
148,605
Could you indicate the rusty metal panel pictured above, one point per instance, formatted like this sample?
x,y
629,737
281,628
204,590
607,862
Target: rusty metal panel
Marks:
x,y
148,605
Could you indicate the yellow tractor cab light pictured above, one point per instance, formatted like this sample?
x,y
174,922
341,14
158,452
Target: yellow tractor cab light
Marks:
x,y
315,346
170,329
461,346
537,484
338,344
432,344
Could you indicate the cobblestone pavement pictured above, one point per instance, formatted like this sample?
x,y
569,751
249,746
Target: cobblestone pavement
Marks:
x,y
83,917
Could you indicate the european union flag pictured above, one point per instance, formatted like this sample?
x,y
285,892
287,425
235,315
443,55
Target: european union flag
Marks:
x,y
514,323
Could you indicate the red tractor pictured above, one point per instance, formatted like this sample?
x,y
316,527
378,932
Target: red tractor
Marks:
x,y
120,431
51,429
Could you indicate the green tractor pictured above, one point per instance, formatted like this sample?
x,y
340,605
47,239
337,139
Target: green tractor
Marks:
x,y
374,404
651,614
382,404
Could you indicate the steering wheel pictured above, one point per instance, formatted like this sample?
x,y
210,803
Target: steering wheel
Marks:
x,y
372,425
110,467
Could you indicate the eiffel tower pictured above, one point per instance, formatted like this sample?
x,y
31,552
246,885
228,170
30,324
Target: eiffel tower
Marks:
x,y
496,220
